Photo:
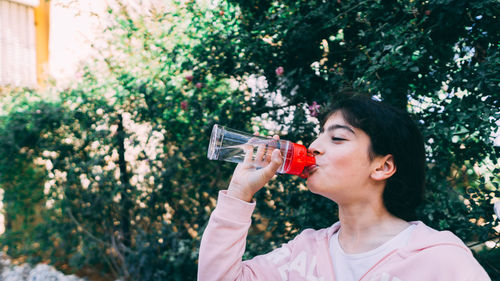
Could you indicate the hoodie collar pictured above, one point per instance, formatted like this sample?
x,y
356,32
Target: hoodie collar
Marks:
x,y
423,237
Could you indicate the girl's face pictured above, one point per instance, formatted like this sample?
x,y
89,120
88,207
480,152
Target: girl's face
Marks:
x,y
343,166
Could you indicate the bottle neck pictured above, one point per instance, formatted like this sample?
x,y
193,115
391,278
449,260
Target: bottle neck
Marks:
x,y
300,160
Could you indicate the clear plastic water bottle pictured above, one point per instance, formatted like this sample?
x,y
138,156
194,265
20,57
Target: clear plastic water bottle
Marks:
x,y
230,145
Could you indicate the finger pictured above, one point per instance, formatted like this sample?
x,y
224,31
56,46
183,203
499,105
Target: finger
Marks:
x,y
273,144
249,147
268,157
248,153
261,151
276,162
254,141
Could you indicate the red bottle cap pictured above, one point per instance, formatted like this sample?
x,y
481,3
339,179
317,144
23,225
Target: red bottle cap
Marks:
x,y
300,159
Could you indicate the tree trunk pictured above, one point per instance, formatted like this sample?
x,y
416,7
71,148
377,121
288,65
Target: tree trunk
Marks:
x,y
126,192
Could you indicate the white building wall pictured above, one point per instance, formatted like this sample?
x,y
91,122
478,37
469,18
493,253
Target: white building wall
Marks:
x,y
17,43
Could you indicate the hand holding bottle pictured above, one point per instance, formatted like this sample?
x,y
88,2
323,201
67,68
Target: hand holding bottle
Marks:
x,y
247,179
260,159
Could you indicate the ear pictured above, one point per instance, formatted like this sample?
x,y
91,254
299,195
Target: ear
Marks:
x,y
384,167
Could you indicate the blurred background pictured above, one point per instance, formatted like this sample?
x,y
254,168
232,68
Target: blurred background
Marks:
x,y
106,108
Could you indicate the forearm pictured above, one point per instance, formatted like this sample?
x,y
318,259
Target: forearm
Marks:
x,y
223,242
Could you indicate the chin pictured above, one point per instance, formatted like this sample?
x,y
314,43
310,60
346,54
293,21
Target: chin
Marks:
x,y
312,185
315,186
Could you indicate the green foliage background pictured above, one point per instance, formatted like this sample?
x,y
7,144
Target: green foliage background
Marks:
x,y
109,176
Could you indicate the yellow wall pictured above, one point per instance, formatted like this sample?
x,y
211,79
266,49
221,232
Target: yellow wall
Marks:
x,y
42,21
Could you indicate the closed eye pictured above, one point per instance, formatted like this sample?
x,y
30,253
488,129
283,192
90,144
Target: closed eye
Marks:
x,y
338,139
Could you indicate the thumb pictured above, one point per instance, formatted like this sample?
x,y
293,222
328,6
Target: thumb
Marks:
x,y
276,161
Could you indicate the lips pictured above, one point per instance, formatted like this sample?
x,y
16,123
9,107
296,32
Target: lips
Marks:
x,y
310,170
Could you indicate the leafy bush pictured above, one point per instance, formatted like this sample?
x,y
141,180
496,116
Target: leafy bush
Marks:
x,y
112,175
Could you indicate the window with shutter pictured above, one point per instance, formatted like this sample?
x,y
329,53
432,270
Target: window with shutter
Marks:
x,y
17,43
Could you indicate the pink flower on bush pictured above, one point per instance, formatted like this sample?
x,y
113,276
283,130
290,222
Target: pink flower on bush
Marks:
x,y
314,109
199,85
189,78
79,75
279,71
184,105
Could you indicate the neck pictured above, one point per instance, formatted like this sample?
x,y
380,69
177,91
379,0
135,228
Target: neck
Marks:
x,y
367,225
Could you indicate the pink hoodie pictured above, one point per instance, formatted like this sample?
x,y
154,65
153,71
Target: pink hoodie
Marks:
x,y
429,255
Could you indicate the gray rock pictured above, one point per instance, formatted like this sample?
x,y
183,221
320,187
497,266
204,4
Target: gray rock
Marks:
x,y
41,272
15,273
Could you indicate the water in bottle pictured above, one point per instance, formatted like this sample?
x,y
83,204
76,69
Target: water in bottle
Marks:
x,y
230,145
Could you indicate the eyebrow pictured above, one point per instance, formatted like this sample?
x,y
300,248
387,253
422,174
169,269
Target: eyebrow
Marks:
x,y
337,126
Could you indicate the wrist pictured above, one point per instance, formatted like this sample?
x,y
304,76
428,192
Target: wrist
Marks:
x,y
238,194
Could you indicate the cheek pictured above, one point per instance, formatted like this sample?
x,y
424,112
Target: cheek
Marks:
x,y
348,163
341,160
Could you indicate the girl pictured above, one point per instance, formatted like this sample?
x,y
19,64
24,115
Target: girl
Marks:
x,y
370,160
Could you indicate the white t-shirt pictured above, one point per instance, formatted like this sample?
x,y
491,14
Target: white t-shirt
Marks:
x,y
351,267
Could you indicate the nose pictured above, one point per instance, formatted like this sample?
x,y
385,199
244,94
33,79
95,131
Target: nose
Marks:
x,y
314,148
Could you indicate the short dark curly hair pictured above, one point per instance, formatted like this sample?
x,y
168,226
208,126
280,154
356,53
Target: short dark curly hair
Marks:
x,y
391,131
